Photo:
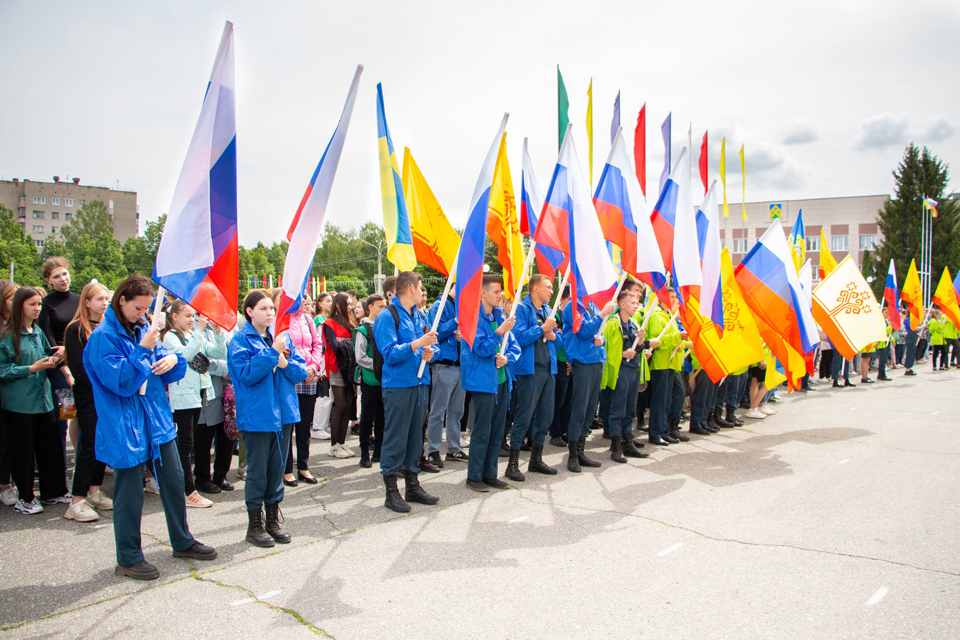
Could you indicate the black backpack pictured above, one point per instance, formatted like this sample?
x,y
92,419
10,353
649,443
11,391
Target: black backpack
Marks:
x,y
377,356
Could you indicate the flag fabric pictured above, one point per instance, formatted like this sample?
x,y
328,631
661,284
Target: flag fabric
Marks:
x,y
563,108
797,241
666,132
307,226
703,162
775,211
891,295
664,214
590,128
435,241
743,173
502,224
956,287
931,204
736,344
624,217
640,149
946,298
470,256
711,300
846,310
805,274
396,222
548,260
569,223
686,246
615,122
827,262
772,289
723,175
775,373
912,294
198,257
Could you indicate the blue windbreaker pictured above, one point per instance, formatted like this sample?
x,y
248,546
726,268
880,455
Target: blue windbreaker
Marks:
x,y
527,331
579,346
400,364
445,330
130,427
478,367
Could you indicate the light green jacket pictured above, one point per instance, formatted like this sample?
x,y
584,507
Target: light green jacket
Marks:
x,y
185,394
661,355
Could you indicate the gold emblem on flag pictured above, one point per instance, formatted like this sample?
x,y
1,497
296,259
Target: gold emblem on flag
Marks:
x,y
852,300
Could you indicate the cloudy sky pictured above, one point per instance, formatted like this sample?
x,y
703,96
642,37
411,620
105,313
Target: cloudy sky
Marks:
x,y
824,95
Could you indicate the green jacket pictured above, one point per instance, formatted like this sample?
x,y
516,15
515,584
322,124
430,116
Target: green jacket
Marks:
x,y
20,390
936,331
661,355
363,346
613,336
882,344
949,329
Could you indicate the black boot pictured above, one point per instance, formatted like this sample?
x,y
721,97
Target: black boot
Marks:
x,y
616,453
537,465
414,492
732,418
393,500
710,426
630,448
365,458
255,533
581,456
673,431
513,466
573,458
273,524
718,420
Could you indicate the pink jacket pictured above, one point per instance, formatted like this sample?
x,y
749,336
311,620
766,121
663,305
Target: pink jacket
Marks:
x,y
304,336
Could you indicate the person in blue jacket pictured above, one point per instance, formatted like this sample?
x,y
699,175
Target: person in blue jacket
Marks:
x,y
264,371
128,370
486,377
536,332
583,346
404,341
446,393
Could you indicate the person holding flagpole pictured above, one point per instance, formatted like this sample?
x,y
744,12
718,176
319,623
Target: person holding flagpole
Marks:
x,y
661,372
446,395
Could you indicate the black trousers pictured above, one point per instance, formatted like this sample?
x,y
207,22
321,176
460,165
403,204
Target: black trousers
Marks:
x,y
89,471
826,361
371,417
36,435
204,436
941,351
301,431
186,421
4,452
562,399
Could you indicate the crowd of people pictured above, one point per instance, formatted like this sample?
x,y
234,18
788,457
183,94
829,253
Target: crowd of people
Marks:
x,y
155,404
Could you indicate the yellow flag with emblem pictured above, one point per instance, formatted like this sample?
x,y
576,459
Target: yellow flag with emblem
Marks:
x,y
847,311
503,226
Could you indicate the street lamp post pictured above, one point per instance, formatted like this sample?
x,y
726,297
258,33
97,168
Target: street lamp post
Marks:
x,y
380,278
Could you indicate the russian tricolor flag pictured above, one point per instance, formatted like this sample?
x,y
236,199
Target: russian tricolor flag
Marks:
x,y
548,260
772,289
892,295
664,215
198,257
569,223
686,245
307,226
624,217
708,236
470,257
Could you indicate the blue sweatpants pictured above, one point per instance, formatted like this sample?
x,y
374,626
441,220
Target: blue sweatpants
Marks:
x,y
489,422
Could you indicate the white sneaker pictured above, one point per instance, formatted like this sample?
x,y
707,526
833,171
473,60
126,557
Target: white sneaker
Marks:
x,y
197,501
29,508
755,414
100,501
242,473
350,453
338,451
319,434
9,495
767,409
108,470
81,512
66,498
150,486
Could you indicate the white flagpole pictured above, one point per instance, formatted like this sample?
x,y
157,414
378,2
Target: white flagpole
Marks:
x,y
659,337
155,324
443,302
516,296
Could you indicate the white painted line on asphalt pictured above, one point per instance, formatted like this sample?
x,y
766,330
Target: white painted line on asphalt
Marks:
x,y
670,549
355,481
268,594
520,519
237,603
845,461
853,408
935,413
877,597
101,526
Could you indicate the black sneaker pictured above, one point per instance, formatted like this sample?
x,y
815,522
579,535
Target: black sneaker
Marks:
x,y
435,459
457,456
429,467
909,372
224,485
143,570
496,483
197,551
207,486
479,487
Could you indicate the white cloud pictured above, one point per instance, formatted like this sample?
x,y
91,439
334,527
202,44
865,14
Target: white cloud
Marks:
x,y
799,132
938,130
884,130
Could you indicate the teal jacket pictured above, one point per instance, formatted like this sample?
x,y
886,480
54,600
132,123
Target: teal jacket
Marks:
x,y
185,393
20,390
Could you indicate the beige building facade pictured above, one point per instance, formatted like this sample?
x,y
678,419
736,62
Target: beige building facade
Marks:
x,y
44,208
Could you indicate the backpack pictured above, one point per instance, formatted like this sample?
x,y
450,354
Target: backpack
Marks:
x,y
377,356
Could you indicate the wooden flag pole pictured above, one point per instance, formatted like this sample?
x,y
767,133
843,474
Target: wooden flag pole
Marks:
x,y
155,324
649,352
516,296
443,302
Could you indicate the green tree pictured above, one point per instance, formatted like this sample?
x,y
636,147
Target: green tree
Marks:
x,y
18,248
920,175
92,247
140,252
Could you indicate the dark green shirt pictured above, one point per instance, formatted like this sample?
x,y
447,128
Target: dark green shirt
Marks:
x,y
20,390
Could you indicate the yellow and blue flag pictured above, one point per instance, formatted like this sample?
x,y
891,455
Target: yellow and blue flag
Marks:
x,y
396,221
797,241
931,204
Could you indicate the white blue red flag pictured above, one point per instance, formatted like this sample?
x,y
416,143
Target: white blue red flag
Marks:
x,y
307,226
198,257
708,235
686,246
548,260
892,295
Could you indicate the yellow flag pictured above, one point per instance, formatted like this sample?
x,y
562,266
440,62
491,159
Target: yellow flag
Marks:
x,y
827,262
773,378
946,297
723,175
503,227
590,127
912,294
743,172
434,240
847,311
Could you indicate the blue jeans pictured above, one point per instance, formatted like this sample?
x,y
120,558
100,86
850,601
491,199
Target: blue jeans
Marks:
x,y
835,368
534,409
128,505
446,404
404,411
489,422
911,350
265,465
623,402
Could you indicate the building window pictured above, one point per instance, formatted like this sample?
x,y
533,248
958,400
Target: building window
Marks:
x,y
839,243
38,215
83,202
22,212
38,228
54,215
39,200
740,245
68,202
39,244
23,198
111,204
813,243
55,201
67,215
868,242
53,230
23,225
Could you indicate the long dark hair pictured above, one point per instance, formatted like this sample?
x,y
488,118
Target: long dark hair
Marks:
x,y
15,325
251,301
320,298
340,312
132,287
175,307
